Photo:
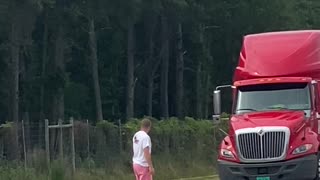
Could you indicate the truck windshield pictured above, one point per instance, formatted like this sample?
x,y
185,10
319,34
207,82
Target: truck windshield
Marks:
x,y
273,97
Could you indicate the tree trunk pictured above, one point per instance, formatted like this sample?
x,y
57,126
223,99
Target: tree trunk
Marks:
x,y
60,67
199,74
43,66
130,70
15,52
25,104
95,69
149,95
207,97
179,75
58,97
15,57
43,74
150,66
199,91
164,69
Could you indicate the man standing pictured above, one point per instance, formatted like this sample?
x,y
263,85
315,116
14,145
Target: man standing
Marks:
x,y
142,163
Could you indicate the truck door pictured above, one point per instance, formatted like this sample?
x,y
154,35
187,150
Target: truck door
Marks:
x,y
316,88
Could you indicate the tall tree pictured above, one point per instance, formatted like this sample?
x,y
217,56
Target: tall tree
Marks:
x,y
151,9
22,24
164,67
150,67
109,59
15,38
59,61
90,10
133,11
130,70
94,64
179,76
15,52
44,63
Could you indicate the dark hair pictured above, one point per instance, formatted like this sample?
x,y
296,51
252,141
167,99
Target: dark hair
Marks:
x,y
146,123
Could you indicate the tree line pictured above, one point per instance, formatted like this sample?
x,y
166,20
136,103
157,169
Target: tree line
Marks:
x,y
110,59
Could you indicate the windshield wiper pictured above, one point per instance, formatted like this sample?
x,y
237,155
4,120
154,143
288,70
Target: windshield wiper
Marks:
x,y
278,108
302,109
246,109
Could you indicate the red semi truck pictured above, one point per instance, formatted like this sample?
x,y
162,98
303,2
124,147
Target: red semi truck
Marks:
x,y
274,126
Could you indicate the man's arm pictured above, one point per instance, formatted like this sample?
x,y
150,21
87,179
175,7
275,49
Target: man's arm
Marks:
x,y
147,155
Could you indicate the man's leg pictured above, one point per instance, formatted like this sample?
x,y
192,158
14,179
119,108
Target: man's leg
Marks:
x,y
142,173
146,175
136,172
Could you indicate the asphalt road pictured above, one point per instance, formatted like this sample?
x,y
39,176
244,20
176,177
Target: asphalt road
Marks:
x,y
214,177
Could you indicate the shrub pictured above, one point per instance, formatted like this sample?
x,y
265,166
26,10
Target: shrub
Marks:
x,y
225,115
172,139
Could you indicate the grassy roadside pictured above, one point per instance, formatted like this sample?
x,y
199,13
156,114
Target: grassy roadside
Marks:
x,y
166,168
212,177
182,149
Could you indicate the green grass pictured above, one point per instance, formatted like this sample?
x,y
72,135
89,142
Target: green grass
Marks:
x,y
183,149
212,177
16,174
166,168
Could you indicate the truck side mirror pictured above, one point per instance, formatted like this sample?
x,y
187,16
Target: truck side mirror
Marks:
x,y
216,105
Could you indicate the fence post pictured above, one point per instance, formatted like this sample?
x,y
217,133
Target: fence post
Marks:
x,y
88,139
47,142
72,146
88,144
24,145
120,136
61,139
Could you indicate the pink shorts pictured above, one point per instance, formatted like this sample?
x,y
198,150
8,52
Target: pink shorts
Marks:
x,y
141,173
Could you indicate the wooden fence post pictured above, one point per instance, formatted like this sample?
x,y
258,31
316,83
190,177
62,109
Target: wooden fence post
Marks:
x,y
88,144
24,145
72,146
88,139
61,139
120,136
47,142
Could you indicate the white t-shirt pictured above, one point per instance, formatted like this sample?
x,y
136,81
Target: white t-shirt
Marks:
x,y
140,141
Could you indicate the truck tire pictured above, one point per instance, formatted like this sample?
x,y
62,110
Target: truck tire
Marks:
x,y
318,168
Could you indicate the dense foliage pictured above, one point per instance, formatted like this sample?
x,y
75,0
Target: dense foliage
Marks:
x,y
110,154
111,59
199,139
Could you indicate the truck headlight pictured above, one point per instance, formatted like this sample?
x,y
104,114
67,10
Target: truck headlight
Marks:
x,y
302,149
226,153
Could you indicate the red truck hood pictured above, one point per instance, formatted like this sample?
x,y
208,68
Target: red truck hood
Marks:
x,y
290,119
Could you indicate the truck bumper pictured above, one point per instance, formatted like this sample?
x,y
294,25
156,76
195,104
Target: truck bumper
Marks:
x,y
304,168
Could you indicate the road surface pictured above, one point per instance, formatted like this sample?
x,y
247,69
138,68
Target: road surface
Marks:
x,y
213,177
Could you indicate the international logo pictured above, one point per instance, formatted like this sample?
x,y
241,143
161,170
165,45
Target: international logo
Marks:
x,y
260,132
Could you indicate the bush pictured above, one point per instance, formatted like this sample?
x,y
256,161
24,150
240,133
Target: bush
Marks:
x,y
225,115
58,171
173,140
178,138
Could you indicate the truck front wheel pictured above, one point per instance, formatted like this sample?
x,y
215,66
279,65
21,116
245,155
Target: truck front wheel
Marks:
x,y
318,168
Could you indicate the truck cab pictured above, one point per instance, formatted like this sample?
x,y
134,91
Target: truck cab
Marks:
x,y
274,125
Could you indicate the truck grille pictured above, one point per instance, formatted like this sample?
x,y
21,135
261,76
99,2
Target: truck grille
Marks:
x,y
262,144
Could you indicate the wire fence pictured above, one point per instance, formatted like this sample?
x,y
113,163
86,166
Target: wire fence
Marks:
x,y
82,145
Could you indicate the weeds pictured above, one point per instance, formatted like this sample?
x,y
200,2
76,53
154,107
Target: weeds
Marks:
x,y
167,167
180,149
